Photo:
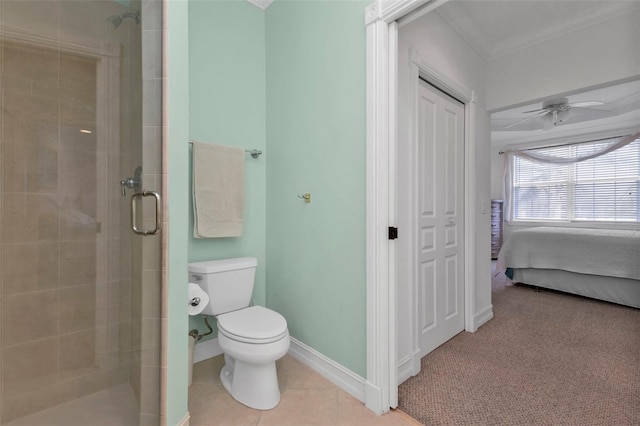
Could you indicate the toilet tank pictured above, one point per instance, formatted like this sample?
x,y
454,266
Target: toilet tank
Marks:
x,y
228,282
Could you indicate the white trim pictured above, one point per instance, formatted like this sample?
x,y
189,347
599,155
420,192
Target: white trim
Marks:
x,y
207,349
419,68
381,315
483,317
420,12
340,376
329,369
392,159
409,366
377,220
185,420
262,4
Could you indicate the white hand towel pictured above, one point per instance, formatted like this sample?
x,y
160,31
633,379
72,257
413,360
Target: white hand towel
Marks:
x,y
218,190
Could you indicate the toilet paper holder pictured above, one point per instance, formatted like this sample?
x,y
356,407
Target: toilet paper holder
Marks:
x,y
195,301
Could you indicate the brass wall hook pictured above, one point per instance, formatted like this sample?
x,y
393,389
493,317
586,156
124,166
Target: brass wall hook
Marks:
x,y
306,197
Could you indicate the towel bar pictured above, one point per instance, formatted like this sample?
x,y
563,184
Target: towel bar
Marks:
x,y
255,153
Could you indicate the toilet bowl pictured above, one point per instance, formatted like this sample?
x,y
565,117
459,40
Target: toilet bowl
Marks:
x,y
252,338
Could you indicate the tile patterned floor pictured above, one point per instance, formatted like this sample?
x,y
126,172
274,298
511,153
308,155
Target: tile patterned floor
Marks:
x,y
307,399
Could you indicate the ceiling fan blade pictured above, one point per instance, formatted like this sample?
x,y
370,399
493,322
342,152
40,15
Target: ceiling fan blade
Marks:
x,y
585,104
539,114
534,110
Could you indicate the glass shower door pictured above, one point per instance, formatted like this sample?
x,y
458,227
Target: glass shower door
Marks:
x,y
80,293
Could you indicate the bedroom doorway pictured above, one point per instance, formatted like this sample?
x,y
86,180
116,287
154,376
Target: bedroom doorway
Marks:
x,y
439,284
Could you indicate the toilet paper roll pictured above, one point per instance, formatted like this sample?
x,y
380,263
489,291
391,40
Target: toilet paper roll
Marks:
x,y
195,291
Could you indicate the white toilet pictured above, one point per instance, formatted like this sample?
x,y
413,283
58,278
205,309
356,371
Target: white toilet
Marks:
x,y
251,337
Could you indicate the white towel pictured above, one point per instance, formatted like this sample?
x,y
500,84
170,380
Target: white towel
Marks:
x,y
218,190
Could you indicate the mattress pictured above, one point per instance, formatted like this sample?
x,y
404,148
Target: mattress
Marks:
x,y
604,252
611,289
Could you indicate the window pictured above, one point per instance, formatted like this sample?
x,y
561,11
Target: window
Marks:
x,y
602,189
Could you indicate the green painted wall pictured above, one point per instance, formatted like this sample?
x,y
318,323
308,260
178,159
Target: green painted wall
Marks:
x,y
177,162
227,98
316,141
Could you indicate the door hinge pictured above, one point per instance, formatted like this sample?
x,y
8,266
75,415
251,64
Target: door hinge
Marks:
x,y
393,233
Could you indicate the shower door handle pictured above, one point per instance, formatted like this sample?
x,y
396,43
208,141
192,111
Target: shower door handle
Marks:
x,y
158,201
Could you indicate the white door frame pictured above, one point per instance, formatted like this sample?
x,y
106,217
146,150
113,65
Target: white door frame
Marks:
x,y
419,68
381,389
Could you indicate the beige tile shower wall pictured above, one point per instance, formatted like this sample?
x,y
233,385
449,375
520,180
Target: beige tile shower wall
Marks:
x,y
152,283
65,281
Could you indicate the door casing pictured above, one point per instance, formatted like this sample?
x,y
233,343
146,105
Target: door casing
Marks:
x,y
381,386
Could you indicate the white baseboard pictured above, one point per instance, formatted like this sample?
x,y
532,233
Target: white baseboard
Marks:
x,y
207,349
405,369
185,420
409,367
483,316
373,398
340,376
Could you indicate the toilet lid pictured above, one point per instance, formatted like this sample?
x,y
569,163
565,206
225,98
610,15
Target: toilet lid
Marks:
x,y
255,323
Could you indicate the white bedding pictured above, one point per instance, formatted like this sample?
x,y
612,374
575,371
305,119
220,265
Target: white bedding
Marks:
x,y
606,252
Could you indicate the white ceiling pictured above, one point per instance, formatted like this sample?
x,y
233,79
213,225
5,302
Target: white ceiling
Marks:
x,y
621,109
499,27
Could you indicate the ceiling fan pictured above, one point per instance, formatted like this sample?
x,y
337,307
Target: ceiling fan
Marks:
x,y
554,111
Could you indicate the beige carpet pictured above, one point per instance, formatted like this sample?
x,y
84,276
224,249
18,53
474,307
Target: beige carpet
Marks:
x,y
546,358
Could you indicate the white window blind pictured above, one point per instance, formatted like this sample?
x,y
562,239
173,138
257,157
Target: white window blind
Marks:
x,y
602,189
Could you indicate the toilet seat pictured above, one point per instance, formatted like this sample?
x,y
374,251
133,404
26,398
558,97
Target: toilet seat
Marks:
x,y
256,324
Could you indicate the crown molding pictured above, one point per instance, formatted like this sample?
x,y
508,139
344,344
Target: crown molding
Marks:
x,y
464,25
515,44
262,4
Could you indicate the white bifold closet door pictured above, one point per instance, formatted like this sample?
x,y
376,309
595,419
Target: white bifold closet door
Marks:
x,y
440,217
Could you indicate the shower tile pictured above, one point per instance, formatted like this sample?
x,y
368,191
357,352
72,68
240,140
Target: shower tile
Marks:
x,y
151,54
116,224
92,382
29,218
101,260
78,263
151,105
151,333
80,171
78,74
42,15
152,14
77,351
150,390
118,262
88,20
119,297
151,253
151,295
29,267
30,366
16,85
23,404
13,161
31,63
27,317
41,166
72,140
28,111
152,149
78,214
80,114
102,304
77,308
150,357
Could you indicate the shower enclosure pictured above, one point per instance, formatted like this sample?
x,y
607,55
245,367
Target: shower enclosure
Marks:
x,y
80,133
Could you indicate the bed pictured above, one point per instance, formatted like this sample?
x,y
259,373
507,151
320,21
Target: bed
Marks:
x,y
599,263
